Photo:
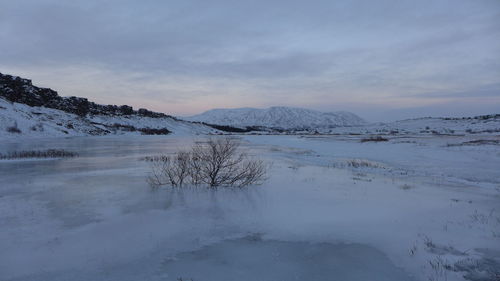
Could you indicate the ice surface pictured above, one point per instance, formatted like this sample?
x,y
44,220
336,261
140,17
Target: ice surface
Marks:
x,y
254,259
95,218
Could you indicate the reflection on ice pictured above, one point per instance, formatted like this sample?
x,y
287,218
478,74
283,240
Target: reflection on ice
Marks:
x,y
251,259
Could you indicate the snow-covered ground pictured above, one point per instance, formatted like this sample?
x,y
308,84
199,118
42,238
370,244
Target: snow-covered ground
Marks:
x,y
35,122
426,126
333,208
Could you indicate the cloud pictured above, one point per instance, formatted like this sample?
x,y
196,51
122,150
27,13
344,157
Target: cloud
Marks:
x,y
255,53
490,90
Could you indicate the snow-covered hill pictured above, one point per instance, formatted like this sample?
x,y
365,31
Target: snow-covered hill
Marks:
x,y
278,117
485,124
20,120
29,111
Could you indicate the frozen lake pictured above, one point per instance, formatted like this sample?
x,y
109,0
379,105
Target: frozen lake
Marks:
x,y
414,210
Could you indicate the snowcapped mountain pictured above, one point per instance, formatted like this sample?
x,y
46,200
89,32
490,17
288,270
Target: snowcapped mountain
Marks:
x,y
278,117
30,111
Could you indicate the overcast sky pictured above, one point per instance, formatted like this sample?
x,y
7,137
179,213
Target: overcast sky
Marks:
x,y
382,60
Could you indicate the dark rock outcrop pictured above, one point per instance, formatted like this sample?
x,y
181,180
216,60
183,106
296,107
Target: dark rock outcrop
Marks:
x,y
20,90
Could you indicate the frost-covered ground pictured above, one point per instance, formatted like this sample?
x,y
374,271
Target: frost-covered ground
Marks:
x,y
333,208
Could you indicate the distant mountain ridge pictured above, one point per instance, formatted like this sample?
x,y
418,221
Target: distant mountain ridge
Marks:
x,y
279,117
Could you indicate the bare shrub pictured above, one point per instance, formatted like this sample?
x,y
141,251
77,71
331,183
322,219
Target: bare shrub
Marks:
x,y
358,163
14,129
38,127
169,170
215,163
219,163
406,186
374,139
439,268
179,169
50,153
476,142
